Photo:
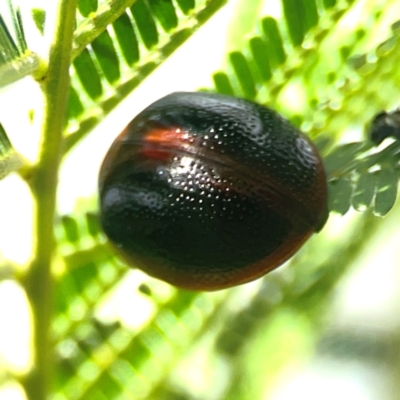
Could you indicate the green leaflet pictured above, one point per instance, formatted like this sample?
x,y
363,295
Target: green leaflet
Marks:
x,y
364,192
16,61
9,160
363,178
264,72
86,7
126,56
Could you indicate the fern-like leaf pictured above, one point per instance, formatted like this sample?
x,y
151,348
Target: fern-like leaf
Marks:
x,y
125,53
16,61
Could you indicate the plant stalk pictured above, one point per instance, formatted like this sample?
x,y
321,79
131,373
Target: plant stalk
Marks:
x,y
39,280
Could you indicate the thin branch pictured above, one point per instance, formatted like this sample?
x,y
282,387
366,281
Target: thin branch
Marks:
x,y
39,280
17,69
94,26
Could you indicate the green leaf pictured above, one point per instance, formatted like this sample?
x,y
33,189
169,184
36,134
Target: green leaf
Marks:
x,y
243,74
145,23
329,3
165,13
71,228
14,29
259,51
16,61
9,50
126,38
186,5
342,156
311,14
222,83
159,345
340,192
39,18
10,161
273,37
364,192
386,191
86,7
75,106
88,74
295,15
135,64
93,224
107,57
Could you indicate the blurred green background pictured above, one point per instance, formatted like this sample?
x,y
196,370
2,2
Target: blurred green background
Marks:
x,y
323,326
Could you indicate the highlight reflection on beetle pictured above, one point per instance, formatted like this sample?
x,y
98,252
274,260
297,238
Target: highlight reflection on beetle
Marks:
x,y
208,191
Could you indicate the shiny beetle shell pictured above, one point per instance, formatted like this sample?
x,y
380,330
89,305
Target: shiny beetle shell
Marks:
x,y
207,191
384,125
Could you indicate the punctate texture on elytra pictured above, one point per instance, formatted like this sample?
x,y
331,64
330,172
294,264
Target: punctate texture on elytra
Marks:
x,y
207,191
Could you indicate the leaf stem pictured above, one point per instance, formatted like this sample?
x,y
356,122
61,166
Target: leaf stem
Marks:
x,y
24,65
94,26
39,280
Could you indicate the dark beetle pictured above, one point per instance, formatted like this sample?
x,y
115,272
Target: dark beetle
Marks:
x,y
207,191
385,125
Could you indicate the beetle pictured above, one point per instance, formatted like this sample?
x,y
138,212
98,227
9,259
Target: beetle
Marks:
x,y
207,191
384,125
